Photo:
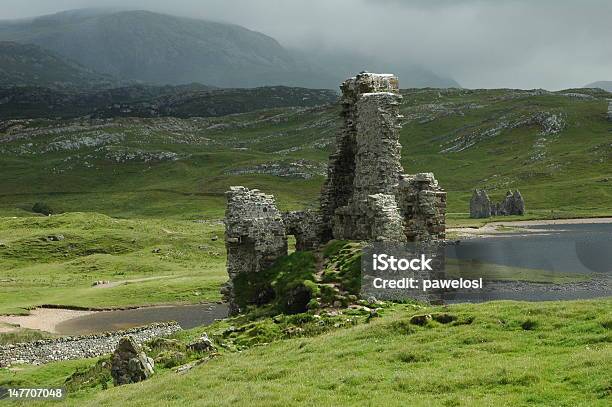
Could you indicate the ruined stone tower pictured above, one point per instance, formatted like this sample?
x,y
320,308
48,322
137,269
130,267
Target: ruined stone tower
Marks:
x,y
366,195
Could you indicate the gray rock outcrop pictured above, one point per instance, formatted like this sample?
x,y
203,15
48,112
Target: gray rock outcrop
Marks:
x,y
129,364
610,110
480,204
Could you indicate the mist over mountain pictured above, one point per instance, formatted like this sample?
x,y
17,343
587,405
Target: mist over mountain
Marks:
x,y
605,85
30,65
163,49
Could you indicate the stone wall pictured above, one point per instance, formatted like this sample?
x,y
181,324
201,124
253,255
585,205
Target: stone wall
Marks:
x,y
482,207
255,236
610,110
423,207
513,204
304,225
480,204
78,347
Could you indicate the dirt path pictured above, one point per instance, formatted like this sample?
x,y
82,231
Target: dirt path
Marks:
x,y
42,319
111,284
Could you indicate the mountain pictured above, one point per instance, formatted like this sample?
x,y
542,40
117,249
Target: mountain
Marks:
x,y
156,48
163,49
27,64
605,85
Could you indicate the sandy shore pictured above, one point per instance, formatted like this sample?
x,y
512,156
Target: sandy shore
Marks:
x,y
500,228
43,319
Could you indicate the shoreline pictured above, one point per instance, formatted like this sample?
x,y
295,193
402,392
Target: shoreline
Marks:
x,y
520,226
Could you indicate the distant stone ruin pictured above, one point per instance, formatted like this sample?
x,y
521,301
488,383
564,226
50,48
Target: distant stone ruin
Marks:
x,y
366,196
610,110
481,206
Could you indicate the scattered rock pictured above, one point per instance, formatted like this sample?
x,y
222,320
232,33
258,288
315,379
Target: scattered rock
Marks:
x,y
157,250
203,344
100,282
55,238
78,347
129,364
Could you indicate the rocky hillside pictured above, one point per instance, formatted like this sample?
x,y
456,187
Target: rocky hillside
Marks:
x,y
554,147
152,101
30,65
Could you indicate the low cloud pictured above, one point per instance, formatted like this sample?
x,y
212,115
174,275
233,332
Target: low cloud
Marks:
x,y
551,44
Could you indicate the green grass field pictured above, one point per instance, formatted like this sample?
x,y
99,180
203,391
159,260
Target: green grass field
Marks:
x,y
499,353
177,261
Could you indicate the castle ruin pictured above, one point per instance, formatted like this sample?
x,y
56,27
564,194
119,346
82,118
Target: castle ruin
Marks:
x,y
482,207
366,196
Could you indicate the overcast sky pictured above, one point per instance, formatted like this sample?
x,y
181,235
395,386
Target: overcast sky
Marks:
x,y
551,44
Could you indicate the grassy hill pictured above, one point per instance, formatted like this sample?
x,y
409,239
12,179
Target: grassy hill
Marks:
x,y
499,353
554,147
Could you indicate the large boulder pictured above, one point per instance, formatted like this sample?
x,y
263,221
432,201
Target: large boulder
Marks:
x,y
480,204
129,364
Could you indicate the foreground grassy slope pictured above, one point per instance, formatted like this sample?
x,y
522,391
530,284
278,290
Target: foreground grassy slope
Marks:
x,y
510,354
148,261
554,147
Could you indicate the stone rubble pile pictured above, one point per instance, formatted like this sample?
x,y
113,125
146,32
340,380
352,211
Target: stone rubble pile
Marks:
x,y
366,195
129,364
79,347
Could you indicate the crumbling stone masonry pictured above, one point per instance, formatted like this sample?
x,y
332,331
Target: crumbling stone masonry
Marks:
x,y
367,196
481,206
338,187
423,205
513,204
255,236
304,225
610,110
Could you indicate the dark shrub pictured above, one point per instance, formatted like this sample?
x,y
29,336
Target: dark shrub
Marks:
x,y
43,208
